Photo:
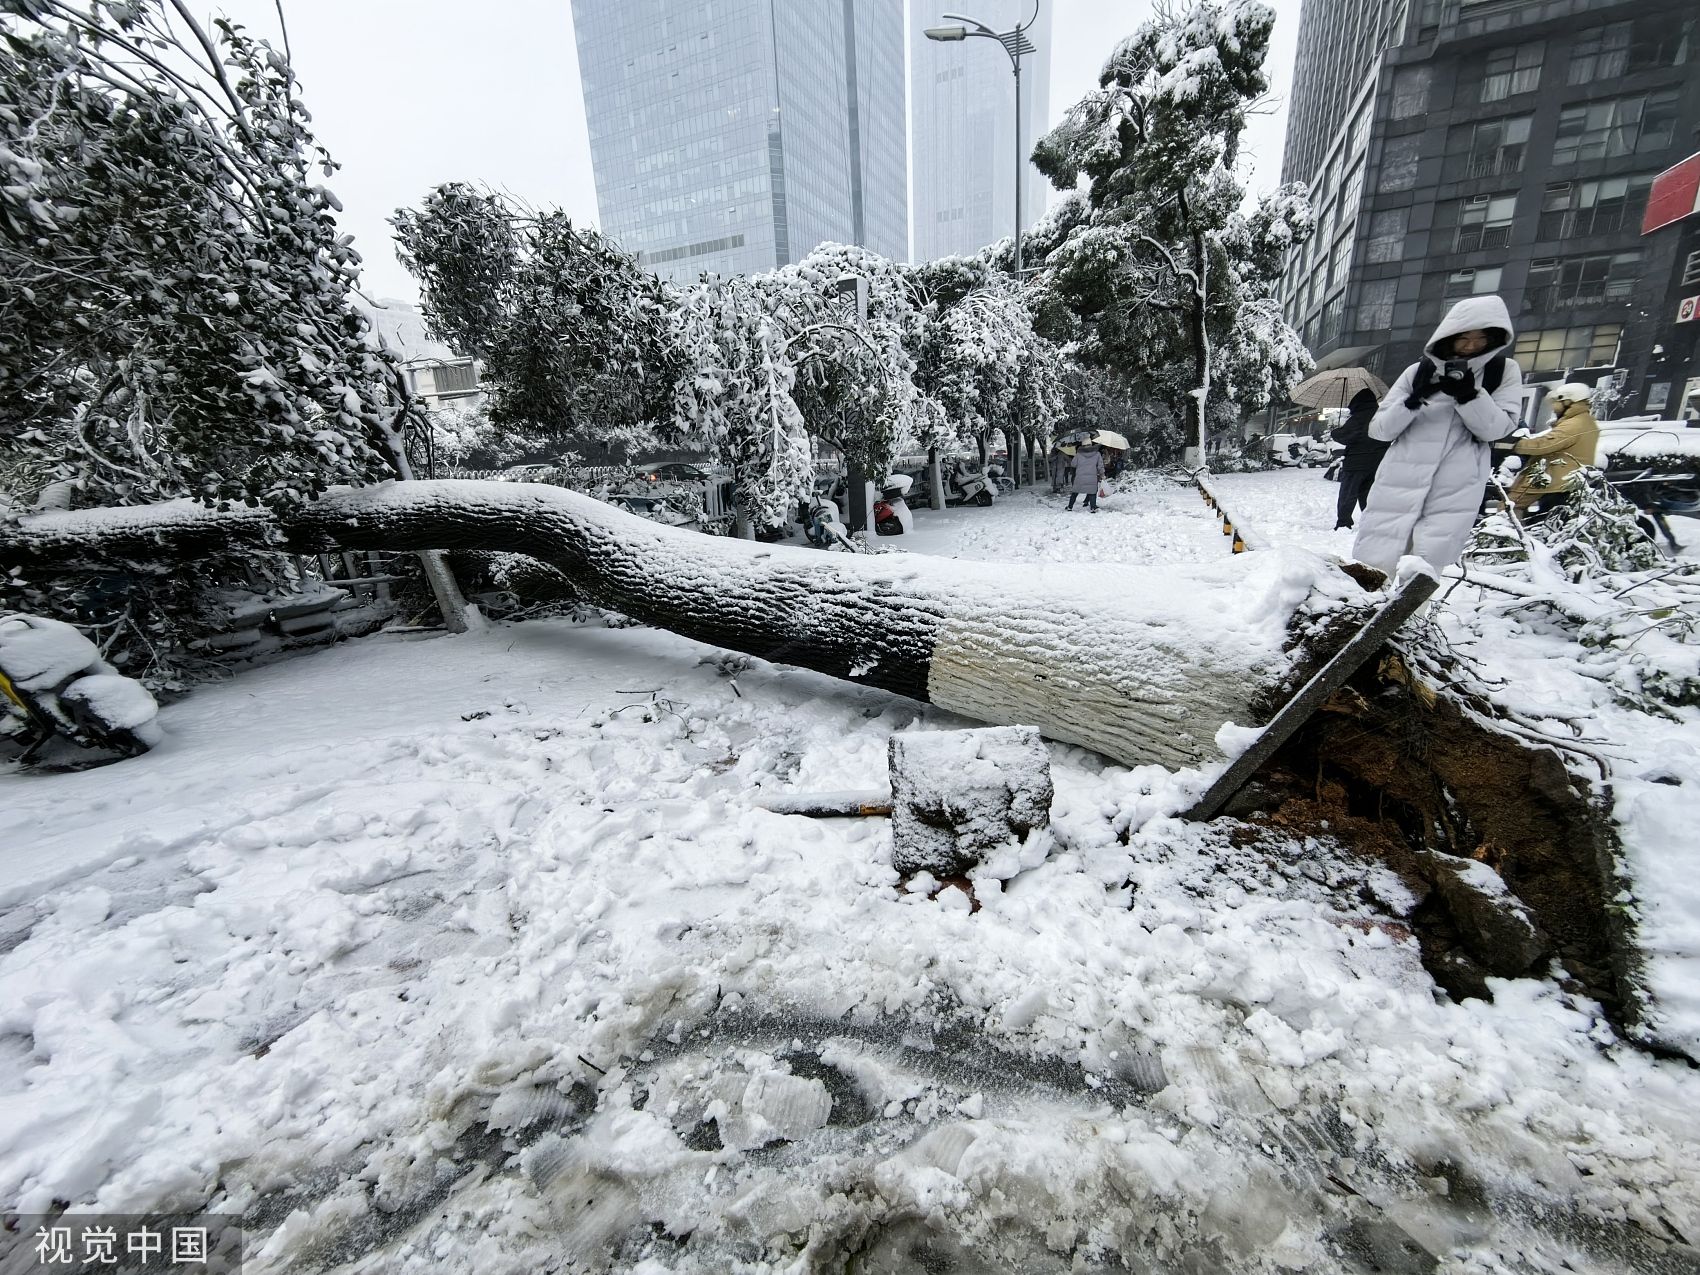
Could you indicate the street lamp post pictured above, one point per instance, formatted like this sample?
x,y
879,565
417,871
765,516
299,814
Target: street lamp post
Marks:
x,y
1015,43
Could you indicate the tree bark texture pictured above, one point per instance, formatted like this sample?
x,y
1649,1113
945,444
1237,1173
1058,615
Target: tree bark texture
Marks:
x,y
1142,665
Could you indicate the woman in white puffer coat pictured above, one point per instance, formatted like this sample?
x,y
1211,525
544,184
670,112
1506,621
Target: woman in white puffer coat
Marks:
x,y
1441,414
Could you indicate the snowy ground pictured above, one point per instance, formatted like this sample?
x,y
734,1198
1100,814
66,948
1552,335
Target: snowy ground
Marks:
x,y
474,954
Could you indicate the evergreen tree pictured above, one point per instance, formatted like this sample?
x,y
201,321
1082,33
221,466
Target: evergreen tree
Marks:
x,y
1164,275
574,335
176,314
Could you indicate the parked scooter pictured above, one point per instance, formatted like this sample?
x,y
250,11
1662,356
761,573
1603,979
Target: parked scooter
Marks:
x,y
53,684
824,528
891,510
964,486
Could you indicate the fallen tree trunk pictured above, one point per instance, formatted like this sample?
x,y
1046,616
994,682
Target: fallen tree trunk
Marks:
x,y
1144,665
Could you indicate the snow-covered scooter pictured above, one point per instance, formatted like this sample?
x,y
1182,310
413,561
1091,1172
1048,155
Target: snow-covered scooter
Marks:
x,y
825,530
53,683
964,486
891,510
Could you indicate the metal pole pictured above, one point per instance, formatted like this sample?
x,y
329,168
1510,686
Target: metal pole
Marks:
x,y
1015,435
1015,59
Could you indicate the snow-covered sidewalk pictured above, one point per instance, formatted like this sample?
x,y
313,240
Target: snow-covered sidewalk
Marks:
x,y
475,953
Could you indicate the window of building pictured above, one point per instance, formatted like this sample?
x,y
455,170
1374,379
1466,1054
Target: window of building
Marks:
x,y
1615,127
454,378
1570,210
1332,314
1484,221
1359,135
1410,90
1622,48
1353,195
1387,236
1498,147
1691,269
1375,305
1597,279
1399,159
1511,71
1341,262
1472,282
1560,349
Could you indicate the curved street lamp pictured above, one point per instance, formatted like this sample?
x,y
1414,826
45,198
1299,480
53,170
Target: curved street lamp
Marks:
x,y
1016,44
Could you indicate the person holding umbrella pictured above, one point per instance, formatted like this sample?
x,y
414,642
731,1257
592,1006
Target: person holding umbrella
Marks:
x,y
1363,456
1088,474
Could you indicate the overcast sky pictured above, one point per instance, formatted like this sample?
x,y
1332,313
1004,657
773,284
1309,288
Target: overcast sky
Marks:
x,y
406,94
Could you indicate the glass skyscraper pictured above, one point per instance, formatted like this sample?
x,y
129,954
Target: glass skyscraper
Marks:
x,y
736,135
963,98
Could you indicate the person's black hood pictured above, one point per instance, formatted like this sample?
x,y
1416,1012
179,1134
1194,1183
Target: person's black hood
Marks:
x,y
1364,401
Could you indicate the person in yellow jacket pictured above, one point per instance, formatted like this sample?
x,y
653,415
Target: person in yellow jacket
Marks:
x,y
1556,456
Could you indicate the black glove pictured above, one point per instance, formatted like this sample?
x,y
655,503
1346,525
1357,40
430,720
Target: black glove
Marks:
x,y
1460,383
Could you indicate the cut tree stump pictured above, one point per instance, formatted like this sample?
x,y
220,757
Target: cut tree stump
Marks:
x,y
958,796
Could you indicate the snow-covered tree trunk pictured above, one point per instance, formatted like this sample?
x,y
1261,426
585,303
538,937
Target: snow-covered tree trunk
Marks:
x,y
1199,400
1143,665
935,479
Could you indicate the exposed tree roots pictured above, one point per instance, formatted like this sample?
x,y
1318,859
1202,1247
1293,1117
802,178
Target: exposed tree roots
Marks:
x,y
1419,782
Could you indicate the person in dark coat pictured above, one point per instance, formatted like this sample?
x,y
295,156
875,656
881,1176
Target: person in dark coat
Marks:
x,y
1363,455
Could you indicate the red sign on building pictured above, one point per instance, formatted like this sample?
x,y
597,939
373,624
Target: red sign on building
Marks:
x,y
1675,195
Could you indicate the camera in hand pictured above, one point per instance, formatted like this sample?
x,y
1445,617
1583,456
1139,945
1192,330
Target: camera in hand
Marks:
x,y
1456,368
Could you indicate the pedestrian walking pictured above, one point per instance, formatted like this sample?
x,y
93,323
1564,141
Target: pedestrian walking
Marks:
x,y
1088,474
1059,466
1559,455
1439,418
1362,456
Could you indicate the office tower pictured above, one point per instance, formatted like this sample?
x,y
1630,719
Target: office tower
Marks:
x,y
962,104
735,135
1475,146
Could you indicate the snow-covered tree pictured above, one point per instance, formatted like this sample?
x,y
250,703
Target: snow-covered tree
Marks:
x,y
978,354
177,309
1155,259
176,314
738,398
1097,398
573,334
784,355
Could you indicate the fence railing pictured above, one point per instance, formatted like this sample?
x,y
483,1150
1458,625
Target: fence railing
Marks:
x,y
579,476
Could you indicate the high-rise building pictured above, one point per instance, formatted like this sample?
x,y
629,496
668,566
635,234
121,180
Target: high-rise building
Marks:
x,y
962,113
1475,146
736,135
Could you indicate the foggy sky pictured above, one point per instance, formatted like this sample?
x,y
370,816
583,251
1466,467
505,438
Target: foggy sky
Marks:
x,y
406,94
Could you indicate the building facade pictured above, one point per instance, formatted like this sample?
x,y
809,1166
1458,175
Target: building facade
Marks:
x,y
734,136
1673,373
962,108
1489,146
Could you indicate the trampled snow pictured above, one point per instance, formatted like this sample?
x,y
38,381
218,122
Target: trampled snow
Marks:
x,y
478,953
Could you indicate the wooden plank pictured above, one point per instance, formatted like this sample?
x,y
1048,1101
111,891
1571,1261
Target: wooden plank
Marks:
x,y
1328,679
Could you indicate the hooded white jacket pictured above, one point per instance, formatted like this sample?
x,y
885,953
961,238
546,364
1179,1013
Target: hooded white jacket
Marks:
x,y
1430,482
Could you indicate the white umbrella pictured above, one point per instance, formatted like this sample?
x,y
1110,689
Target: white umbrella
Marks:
x,y
1336,388
1109,438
